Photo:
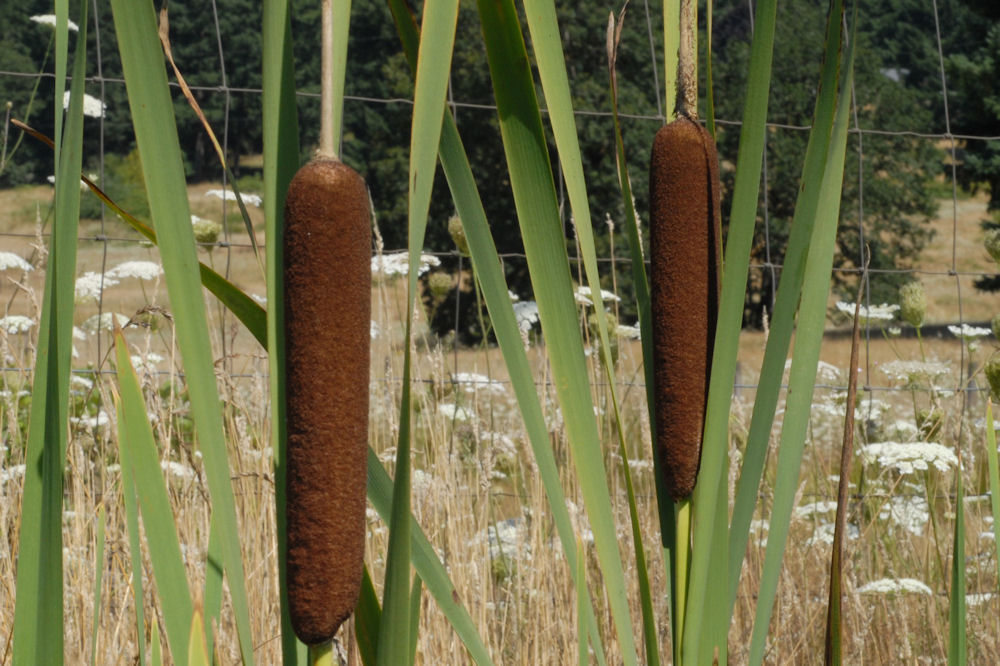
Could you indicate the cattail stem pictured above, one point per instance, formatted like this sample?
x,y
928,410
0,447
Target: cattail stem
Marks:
x,y
336,16
687,61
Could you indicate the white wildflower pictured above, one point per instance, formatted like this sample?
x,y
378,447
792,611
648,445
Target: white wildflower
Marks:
x,y
178,470
451,411
514,298
825,531
628,332
143,270
104,322
827,372
11,260
146,363
398,263
14,324
505,539
92,106
910,457
422,483
11,473
78,334
375,330
80,382
910,513
526,313
584,296
894,586
205,231
915,372
813,508
90,285
471,381
261,300
229,195
91,422
50,20
967,332
884,312
978,599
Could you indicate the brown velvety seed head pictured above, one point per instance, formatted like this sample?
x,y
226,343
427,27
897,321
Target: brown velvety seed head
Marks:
x,y
327,256
684,276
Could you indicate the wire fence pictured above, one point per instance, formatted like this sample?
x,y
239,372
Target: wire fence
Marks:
x,y
232,255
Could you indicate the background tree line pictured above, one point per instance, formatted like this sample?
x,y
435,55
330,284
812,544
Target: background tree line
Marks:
x,y
898,88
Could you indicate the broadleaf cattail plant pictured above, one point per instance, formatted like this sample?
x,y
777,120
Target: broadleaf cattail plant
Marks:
x,y
684,275
327,250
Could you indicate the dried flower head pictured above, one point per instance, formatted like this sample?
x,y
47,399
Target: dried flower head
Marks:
x,y
457,232
205,231
992,372
992,244
913,304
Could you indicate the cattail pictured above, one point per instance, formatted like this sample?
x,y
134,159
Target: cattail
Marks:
x,y
327,257
684,275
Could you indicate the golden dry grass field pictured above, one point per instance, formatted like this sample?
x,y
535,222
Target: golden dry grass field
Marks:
x,y
475,491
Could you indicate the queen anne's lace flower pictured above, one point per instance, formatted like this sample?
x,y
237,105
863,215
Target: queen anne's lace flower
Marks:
x,y
895,586
398,263
526,313
90,285
10,260
15,324
909,457
50,20
884,312
143,270
585,297
229,195
967,332
92,106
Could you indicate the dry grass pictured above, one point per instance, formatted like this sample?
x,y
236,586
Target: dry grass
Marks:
x,y
476,475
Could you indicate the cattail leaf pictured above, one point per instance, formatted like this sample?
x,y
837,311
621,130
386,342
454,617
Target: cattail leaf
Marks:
x,y
135,554
38,610
197,654
809,336
367,619
538,214
281,160
426,562
490,276
163,174
547,45
430,89
994,472
783,318
140,465
212,596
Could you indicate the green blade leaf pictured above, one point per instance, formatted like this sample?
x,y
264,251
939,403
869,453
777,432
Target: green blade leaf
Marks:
x,y
489,273
433,65
367,617
38,612
538,215
163,174
427,563
994,472
140,464
808,339
281,160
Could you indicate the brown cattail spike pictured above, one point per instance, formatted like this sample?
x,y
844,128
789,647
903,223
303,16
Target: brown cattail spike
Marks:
x,y
684,274
327,257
